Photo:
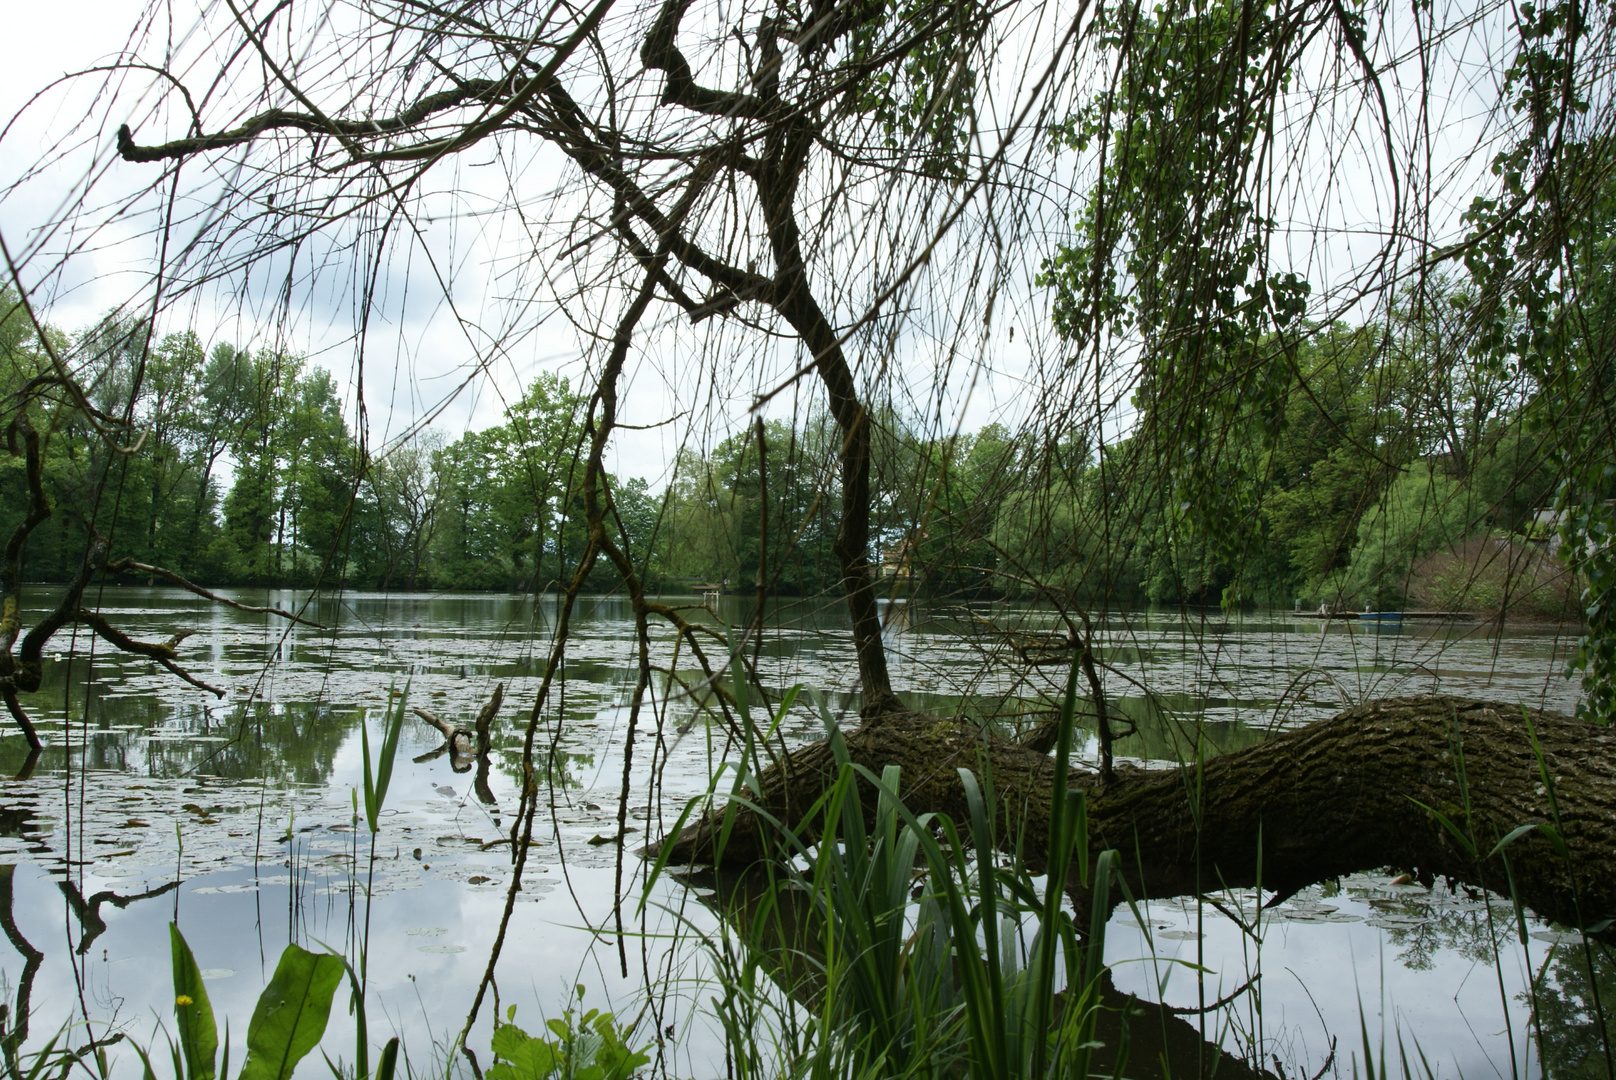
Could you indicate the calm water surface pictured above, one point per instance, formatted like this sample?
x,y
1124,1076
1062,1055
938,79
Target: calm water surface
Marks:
x,y
154,801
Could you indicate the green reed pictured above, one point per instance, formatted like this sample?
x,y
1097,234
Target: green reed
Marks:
x,y
912,945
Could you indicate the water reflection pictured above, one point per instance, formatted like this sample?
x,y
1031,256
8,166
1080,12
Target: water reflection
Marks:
x,y
15,1014
1570,1003
260,791
1156,1041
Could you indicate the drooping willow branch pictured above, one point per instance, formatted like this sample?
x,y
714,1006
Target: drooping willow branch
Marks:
x,y
766,148
103,424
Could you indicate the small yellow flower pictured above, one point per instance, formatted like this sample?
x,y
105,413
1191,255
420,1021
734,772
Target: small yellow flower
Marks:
x,y
183,1000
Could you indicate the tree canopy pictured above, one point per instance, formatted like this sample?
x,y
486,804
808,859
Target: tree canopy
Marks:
x,y
1305,301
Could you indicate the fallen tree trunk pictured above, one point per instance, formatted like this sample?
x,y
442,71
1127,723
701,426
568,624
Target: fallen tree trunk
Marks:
x,y
1339,796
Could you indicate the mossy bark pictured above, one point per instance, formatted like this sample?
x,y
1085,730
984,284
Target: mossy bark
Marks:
x,y
1339,796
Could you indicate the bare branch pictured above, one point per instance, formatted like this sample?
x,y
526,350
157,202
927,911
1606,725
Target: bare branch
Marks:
x,y
29,660
162,652
124,566
8,692
484,91
659,52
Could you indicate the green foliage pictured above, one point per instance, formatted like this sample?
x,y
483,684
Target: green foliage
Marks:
x,y
503,495
916,974
1588,544
1540,252
378,779
1568,1019
713,529
193,1015
593,1046
1423,511
291,1014
1169,244
287,1023
917,79
1275,483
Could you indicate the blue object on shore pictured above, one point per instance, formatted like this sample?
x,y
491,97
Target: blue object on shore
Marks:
x,y
1380,616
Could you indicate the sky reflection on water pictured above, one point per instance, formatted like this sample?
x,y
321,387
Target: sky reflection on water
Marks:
x,y
249,803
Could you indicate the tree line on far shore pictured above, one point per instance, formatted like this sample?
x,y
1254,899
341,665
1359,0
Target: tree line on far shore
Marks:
x,y
1404,473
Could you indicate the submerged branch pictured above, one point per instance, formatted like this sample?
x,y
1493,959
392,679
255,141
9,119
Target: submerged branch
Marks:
x,y
162,652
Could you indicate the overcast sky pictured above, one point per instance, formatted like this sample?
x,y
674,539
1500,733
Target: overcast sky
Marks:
x,y
461,322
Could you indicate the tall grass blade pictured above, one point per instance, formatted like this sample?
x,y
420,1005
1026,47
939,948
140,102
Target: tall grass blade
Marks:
x,y
380,776
389,1060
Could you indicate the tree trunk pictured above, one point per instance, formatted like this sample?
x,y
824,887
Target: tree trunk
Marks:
x,y
1339,796
852,543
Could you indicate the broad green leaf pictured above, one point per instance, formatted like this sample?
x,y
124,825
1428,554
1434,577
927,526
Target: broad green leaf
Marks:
x,y
615,1057
291,1014
193,1014
521,1056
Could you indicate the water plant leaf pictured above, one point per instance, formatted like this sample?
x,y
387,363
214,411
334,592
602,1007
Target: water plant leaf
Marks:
x,y
291,1013
616,1059
666,851
522,1057
1514,834
1556,839
1447,823
147,1072
193,1014
377,780
788,699
389,1060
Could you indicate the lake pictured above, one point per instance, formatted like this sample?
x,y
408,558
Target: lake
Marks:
x,y
236,817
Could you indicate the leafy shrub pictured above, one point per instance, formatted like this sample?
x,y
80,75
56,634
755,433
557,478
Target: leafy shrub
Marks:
x,y
1491,574
593,1046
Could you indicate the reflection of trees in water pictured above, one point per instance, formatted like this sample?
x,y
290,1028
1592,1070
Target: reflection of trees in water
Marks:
x,y
554,767
14,1032
1458,924
291,743
1167,728
1571,1043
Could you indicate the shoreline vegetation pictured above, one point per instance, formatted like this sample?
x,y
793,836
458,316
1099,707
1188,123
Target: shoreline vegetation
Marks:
x,y
1527,611
1316,304
249,475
